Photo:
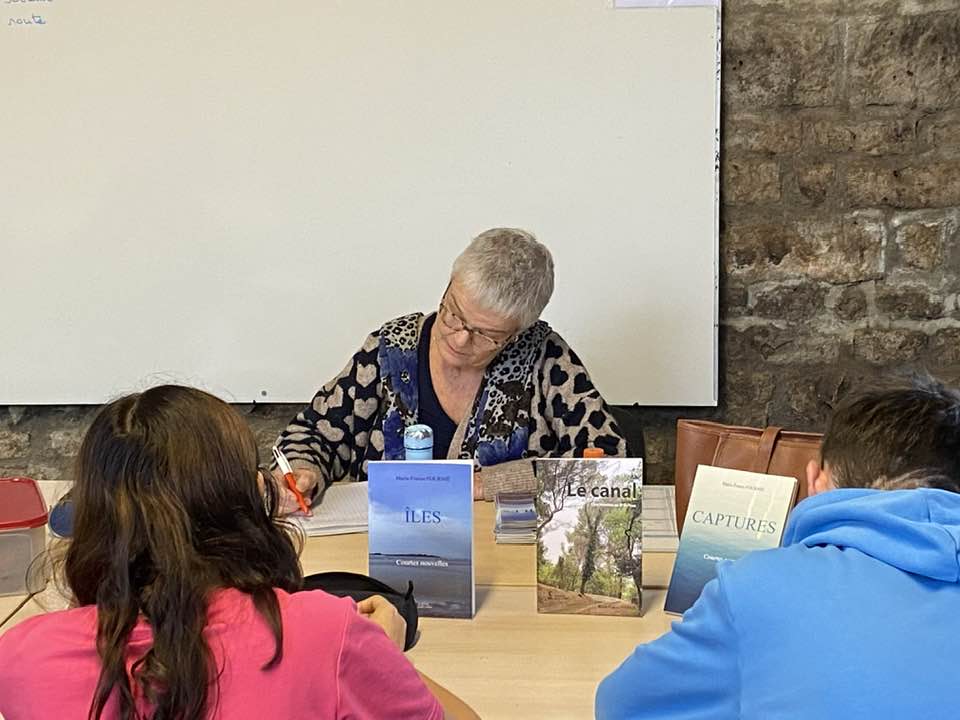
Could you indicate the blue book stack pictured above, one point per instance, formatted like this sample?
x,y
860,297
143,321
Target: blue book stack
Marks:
x,y
516,518
421,531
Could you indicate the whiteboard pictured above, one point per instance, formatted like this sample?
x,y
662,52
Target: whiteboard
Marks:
x,y
233,193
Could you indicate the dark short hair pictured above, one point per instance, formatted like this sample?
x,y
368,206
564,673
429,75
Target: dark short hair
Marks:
x,y
899,426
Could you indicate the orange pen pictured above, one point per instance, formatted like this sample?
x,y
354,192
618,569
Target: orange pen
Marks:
x,y
287,471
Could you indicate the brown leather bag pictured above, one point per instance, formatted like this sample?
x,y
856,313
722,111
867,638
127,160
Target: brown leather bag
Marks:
x,y
771,450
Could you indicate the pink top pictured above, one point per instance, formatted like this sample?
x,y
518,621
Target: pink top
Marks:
x,y
336,664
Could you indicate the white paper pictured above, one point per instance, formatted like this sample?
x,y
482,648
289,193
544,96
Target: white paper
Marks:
x,y
342,510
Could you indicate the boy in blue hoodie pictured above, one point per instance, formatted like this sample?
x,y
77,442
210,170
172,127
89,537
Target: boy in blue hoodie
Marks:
x,y
858,614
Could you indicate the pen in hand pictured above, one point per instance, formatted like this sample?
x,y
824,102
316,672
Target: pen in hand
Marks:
x,y
288,475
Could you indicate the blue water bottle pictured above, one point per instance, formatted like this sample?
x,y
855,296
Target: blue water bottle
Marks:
x,y
418,442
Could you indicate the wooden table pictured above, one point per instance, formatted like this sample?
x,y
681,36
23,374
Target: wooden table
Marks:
x,y
509,661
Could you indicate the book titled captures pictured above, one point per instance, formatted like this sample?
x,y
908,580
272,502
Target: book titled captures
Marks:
x,y
421,531
731,513
589,536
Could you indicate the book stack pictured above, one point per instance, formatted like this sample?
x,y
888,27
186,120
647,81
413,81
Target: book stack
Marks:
x,y
516,518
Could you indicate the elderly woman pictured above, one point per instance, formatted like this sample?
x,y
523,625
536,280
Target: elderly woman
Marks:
x,y
496,384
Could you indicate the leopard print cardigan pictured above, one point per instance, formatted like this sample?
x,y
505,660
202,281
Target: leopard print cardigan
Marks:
x,y
536,400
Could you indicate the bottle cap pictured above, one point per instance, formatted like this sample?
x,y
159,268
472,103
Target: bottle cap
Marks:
x,y
418,437
592,453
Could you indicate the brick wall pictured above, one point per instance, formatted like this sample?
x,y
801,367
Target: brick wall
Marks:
x,y
840,236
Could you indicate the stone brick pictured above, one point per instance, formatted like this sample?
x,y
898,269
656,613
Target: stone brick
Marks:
x,y
920,7
801,396
66,442
750,181
945,347
782,345
872,137
846,250
795,7
792,302
890,346
266,435
816,181
40,471
940,131
910,60
909,302
746,393
14,444
772,63
749,251
855,254
658,448
851,304
266,422
802,401
871,8
950,375
773,134
733,299
920,244
951,248
917,185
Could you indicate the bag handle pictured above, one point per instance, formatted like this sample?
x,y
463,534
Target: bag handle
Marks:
x,y
768,440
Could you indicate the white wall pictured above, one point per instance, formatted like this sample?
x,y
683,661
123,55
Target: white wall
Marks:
x,y
234,193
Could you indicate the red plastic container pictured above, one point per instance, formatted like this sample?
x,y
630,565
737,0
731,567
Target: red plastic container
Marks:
x,y
23,520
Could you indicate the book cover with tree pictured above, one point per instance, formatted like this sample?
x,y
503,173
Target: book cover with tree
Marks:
x,y
589,536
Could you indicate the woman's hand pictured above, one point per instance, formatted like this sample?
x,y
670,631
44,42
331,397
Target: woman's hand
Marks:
x,y
379,610
307,482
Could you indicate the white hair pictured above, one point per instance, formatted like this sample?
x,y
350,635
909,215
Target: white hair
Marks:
x,y
507,272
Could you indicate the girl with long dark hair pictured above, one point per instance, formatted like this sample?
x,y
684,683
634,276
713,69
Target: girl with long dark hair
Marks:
x,y
184,581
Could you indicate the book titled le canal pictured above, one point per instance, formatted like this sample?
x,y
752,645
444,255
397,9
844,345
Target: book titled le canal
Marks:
x,y
731,513
589,536
421,531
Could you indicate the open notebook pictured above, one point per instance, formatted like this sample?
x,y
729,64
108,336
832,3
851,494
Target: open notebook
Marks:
x,y
342,510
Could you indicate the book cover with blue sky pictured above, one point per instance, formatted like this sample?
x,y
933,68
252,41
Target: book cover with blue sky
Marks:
x,y
421,531
731,513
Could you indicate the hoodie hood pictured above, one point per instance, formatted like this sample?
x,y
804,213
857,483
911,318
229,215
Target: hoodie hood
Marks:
x,y
917,531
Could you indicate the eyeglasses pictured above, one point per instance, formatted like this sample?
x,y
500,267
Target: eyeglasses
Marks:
x,y
452,321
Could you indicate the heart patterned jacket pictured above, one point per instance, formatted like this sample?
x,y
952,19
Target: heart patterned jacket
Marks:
x,y
536,400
